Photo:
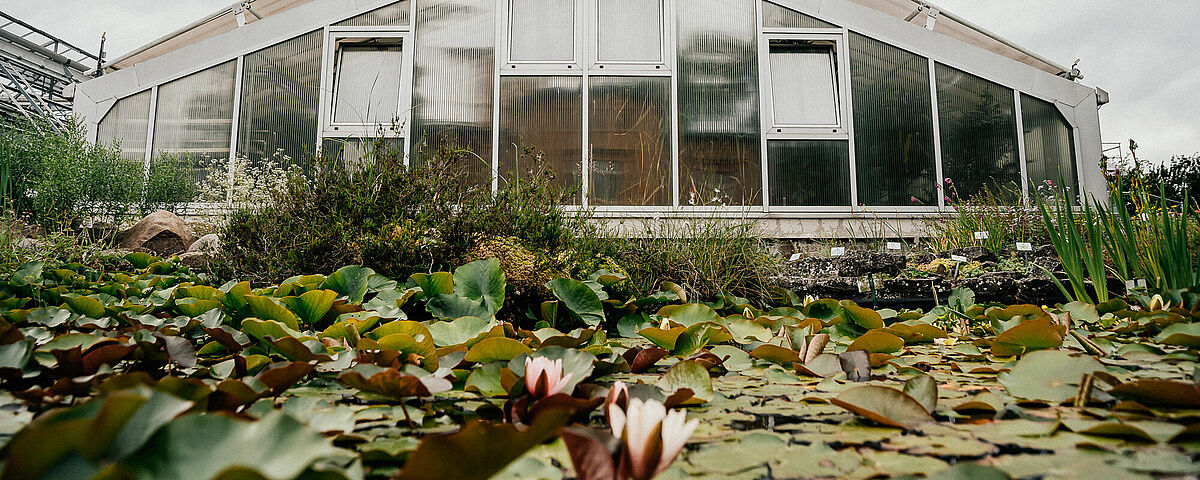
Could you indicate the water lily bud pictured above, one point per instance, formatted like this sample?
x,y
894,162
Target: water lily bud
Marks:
x,y
544,377
650,436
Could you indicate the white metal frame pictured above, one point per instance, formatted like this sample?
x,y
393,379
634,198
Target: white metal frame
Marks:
x,y
841,79
335,39
772,130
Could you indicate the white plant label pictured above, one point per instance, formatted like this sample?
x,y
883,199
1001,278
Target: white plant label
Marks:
x,y
1141,283
958,258
1130,284
794,257
981,235
1024,247
837,252
894,246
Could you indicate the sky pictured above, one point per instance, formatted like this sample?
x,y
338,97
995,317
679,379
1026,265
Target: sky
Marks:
x,y
1142,53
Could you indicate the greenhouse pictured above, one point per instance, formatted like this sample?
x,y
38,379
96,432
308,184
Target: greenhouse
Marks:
x,y
804,113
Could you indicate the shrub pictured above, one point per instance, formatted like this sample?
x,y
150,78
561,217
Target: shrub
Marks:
x,y
399,219
706,256
58,178
995,211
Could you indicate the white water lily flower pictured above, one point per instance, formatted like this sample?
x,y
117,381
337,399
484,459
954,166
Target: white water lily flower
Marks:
x,y
651,436
544,377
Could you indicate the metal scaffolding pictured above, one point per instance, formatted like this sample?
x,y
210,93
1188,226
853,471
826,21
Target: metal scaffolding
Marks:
x,y
38,72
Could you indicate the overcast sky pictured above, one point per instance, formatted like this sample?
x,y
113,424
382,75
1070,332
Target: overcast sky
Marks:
x,y
1142,53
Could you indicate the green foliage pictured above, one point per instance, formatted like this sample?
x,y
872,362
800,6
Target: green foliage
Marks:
x,y
168,376
995,210
707,256
1080,247
58,177
397,219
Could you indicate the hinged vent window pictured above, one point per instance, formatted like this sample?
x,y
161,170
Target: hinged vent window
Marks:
x,y
804,83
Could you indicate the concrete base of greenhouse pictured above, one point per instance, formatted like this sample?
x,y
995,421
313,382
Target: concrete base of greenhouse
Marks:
x,y
874,226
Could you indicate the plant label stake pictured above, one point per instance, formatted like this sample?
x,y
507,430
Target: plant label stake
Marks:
x,y
794,257
837,252
1024,247
894,246
981,235
958,258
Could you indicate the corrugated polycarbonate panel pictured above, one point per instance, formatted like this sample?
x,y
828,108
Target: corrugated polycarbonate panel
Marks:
x,y
452,80
194,116
979,134
541,127
630,141
630,30
775,16
1049,144
542,30
393,15
809,173
893,125
125,125
719,142
357,153
281,85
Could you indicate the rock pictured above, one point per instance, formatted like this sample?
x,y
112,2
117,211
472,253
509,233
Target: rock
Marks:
x,y
30,245
161,232
857,263
195,260
973,254
209,244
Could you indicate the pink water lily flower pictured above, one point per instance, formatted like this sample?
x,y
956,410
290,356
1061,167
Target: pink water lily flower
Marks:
x,y
544,377
650,436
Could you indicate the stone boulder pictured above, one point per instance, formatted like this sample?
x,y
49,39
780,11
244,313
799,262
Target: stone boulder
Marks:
x,y
207,244
162,233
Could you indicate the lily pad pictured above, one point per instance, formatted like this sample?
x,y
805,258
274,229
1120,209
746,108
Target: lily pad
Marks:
x,y
884,405
1048,375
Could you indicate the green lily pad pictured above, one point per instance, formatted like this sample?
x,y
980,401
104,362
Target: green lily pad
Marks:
x,y
884,405
1048,375
1028,336
496,349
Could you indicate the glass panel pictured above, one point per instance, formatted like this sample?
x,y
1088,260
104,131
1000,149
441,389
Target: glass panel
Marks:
x,y
893,125
809,173
541,126
368,83
542,30
194,116
356,153
630,30
393,15
125,125
775,16
718,104
979,134
280,91
452,81
1049,145
630,136
804,83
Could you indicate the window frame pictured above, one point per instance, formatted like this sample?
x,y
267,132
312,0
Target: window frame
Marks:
x,y
667,50
774,130
544,67
335,39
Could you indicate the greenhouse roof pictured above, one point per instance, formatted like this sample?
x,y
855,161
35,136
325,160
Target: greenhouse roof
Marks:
x,y
917,12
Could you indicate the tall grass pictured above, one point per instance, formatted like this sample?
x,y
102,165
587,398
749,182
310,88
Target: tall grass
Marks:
x,y
1079,247
995,211
707,256
1148,236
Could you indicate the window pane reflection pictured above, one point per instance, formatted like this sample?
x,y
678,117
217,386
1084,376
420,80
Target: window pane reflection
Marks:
x,y
630,131
541,127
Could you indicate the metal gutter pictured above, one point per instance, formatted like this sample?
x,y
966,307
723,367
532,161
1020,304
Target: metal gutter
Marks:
x,y
1069,73
180,31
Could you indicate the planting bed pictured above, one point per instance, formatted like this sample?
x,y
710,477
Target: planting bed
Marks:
x,y
147,371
